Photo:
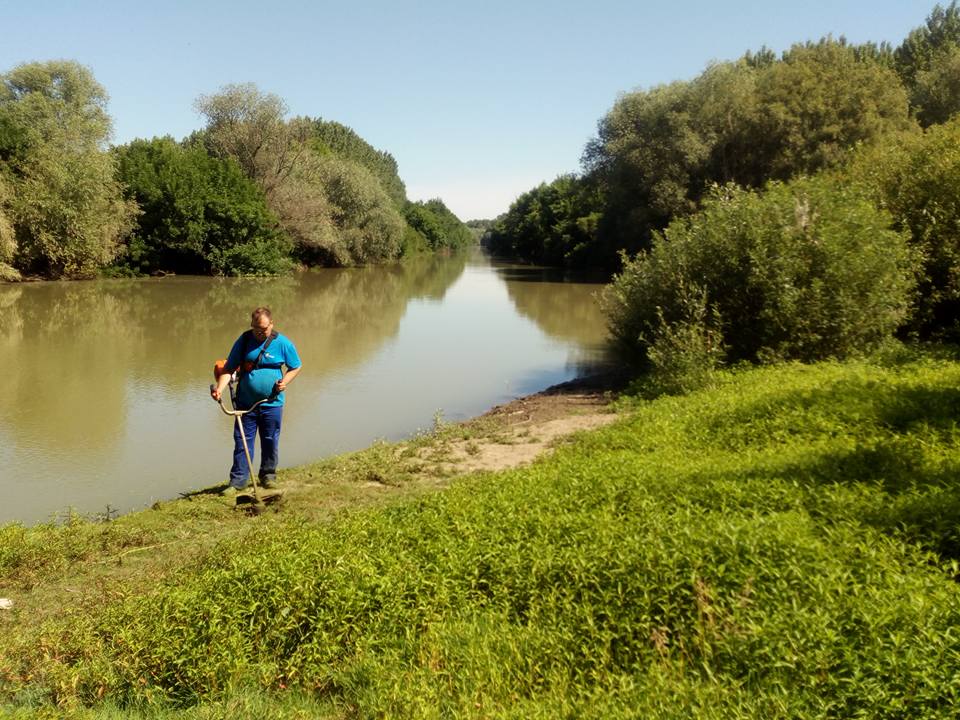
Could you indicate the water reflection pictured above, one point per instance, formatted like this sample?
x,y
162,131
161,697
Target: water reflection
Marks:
x,y
75,347
562,304
103,399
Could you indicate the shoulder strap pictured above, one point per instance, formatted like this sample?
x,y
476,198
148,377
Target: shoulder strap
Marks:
x,y
270,339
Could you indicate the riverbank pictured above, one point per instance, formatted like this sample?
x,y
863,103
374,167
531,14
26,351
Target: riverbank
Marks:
x,y
89,559
404,341
778,545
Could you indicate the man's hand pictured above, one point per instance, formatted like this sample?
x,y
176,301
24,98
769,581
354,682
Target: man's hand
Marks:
x,y
216,391
287,378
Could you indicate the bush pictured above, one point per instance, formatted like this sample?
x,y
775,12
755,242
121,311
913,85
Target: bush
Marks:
x,y
684,354
804,270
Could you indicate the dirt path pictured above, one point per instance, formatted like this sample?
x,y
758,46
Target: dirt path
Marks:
x,y
529,426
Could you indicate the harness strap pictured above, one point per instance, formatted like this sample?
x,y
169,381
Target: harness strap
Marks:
x,y
256,363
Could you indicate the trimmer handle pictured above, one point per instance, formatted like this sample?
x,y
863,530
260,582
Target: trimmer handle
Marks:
x,y
239,412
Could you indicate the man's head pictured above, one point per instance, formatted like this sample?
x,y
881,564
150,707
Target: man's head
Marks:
x,y
261,322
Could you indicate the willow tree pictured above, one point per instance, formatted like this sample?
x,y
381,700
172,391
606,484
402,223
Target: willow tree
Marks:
x,y
334,208
67,210
369,227
250,126
333,138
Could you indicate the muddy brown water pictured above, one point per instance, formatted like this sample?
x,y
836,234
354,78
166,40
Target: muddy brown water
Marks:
x,y
104,399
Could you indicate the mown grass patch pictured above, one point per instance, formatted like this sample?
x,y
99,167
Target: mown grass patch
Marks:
x,y
782,545
31,554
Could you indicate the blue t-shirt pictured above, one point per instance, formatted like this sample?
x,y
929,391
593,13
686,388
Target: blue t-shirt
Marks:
x,y
258,383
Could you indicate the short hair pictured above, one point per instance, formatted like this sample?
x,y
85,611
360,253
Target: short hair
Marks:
x,y
261,312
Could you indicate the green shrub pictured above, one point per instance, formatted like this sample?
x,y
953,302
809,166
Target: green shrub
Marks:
x,y
684,354
27,554
413,243
804,270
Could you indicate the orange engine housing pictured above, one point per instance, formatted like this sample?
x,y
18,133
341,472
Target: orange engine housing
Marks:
x,y
219,368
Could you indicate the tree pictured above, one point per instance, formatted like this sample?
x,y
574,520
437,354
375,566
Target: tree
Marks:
x,y
333,138
8,243
439,227
821,101
424,222
248,125
917,179
746,122
305,212
369,228
200,214
552,224
925,61
644,157
936,92
313,174
67,212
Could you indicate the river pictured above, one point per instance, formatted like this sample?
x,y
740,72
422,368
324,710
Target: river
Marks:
x,y
104,400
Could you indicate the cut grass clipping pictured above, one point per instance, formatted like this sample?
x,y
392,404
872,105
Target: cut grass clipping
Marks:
x,y
783,545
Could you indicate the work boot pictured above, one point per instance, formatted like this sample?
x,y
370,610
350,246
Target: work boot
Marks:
x,y
268,482
230,491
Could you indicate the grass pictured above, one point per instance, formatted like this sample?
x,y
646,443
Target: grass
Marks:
x,y
783,544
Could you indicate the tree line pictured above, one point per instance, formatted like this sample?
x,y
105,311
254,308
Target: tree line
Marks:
x,y
797,206
253,192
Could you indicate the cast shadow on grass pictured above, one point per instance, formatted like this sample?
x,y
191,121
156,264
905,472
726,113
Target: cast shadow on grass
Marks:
x,y
905,496
906,457
849,407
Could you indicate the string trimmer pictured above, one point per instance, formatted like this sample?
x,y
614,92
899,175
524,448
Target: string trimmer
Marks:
x,y
260,500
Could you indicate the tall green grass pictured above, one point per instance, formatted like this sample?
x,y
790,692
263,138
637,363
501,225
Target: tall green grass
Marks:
x,y
782,545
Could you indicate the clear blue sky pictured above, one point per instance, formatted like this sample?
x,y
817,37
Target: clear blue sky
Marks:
x,y
477,101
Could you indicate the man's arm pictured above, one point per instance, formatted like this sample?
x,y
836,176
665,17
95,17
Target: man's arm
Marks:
x,y
291,358
288,376
217,392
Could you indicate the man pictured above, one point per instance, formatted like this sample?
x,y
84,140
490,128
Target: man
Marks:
x,y
259,356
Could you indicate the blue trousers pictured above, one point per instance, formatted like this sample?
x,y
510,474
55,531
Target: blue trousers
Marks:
x,y
266,421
